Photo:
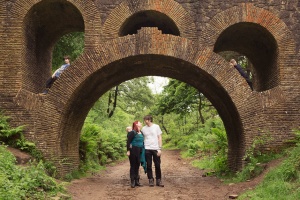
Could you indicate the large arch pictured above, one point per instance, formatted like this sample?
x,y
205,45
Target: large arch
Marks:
x,y
147,53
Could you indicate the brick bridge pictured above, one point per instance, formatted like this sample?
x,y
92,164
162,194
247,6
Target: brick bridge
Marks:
x,y
182,41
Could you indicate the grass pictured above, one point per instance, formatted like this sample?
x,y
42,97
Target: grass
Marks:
x,y
283,182
280,183
30,182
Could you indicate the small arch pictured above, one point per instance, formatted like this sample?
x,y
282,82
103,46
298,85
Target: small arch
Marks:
x,y
43,25
258,45
247,18
123,19
149,18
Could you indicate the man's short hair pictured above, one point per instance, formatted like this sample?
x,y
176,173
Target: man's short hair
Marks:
x,y
66,57
148,117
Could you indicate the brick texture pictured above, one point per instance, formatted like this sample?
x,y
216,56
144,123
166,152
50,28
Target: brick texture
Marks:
x,y
126,39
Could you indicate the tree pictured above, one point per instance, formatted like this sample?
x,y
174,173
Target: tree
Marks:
x,y
135,97
180,98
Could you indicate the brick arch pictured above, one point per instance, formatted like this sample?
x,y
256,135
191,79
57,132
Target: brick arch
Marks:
x,y
147,53
39,34
247,19
172,9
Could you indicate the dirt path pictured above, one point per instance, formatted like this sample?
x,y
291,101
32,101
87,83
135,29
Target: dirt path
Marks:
x,y
181,181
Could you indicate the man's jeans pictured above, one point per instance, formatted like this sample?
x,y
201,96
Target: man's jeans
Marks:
x,y
152,154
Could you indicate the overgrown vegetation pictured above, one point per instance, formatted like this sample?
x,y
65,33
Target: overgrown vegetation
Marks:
x,y
255,159
99,147
30,182
283,182
14,137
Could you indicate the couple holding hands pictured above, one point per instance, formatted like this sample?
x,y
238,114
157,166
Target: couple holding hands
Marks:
x,y
144,146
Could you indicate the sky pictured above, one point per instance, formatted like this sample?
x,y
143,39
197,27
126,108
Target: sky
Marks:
x,y
159,83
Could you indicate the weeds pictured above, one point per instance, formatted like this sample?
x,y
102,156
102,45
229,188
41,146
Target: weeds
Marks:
x,y
283,182
30,182
24,183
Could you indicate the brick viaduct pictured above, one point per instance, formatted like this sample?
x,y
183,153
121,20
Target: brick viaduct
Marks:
x,y
182,41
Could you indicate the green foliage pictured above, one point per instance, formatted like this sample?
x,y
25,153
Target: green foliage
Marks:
x,y
71,44
254,159
213,147
135,97
193,125
101,141
5,130
98,147
15,138
178,97
24,183
282,182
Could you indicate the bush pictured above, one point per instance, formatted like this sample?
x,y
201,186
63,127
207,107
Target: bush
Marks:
x,y
24,183
281,182
15,138
99,147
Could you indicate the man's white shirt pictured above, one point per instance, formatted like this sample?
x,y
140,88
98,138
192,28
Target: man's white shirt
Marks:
x,y
151,134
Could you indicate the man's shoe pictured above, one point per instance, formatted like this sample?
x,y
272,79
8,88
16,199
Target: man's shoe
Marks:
x,y
137,182
159,183
45,92
151,182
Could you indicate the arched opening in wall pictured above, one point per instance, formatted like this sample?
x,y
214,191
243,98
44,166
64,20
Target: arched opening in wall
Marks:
x,y
259,46
106,78
45,23
149,18
188,120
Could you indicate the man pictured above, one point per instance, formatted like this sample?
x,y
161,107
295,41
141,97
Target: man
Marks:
x,y
153,144
241,71
56,74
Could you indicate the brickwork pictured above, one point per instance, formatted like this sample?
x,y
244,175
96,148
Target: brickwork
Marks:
x,y
267,33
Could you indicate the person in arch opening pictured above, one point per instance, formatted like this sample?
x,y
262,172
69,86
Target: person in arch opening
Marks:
x,y
56,74
241,71
136,153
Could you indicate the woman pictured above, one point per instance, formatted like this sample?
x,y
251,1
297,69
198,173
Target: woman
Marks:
x,y
136,152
